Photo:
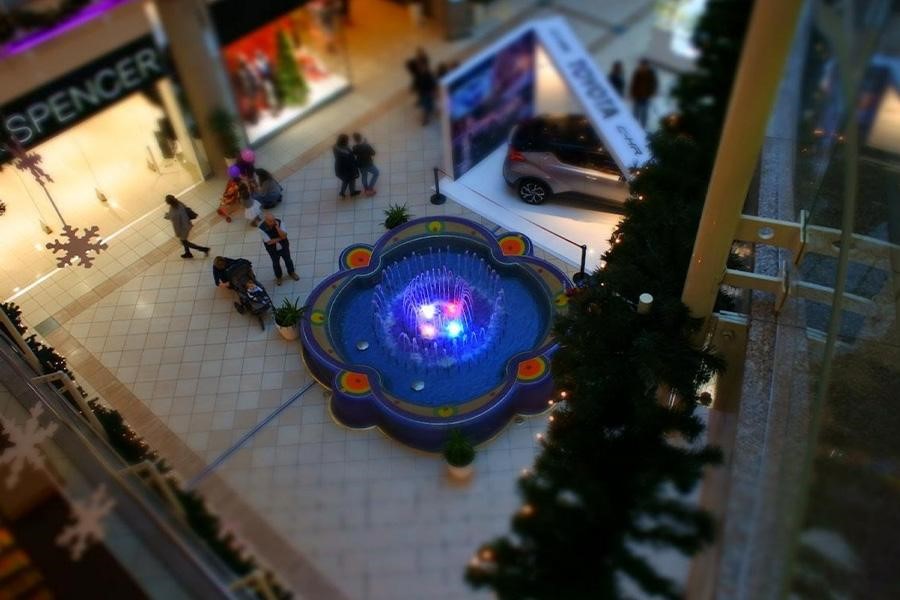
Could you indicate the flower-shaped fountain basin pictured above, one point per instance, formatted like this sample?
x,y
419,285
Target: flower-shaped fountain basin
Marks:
x,y
441,325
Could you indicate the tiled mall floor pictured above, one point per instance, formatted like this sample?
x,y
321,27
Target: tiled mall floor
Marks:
x,y
378,520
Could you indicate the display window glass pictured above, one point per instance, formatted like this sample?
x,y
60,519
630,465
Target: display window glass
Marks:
x,y
281,71
109,170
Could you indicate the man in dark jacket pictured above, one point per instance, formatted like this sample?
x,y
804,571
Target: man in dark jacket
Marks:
x,y
221,265
364,153
345,166
426,89
642,89
276,243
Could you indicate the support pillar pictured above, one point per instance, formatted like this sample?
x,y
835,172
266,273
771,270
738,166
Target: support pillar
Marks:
x,y
767,45
194,48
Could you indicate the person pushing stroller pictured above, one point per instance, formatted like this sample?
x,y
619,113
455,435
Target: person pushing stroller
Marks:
x,y
237,274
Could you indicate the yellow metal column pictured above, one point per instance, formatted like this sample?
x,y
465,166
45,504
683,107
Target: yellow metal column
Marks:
x,y
767,44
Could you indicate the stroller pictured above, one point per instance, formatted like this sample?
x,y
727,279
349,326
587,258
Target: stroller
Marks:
x,y
256,303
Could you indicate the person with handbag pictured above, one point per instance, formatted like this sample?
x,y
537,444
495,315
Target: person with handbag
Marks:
x,y
276,244
181,216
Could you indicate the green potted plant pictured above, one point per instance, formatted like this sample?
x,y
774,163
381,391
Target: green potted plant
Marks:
x,y
287,316
395,214
459,454
224,126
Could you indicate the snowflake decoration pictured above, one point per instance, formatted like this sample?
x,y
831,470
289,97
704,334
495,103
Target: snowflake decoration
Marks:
x,y
30,161
24,440
77,247
87,523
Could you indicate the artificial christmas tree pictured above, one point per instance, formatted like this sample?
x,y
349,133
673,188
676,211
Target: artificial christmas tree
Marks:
x,y
609,486
292,86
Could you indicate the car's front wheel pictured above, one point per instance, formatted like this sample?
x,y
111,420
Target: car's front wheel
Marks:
x,y
533,191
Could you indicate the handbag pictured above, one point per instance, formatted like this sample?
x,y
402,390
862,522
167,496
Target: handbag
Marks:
x,y
190,213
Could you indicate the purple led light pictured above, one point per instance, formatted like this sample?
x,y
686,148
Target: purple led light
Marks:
x,y
31,40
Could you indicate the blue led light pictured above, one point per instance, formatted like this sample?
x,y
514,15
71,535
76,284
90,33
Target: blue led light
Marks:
x,y
454,328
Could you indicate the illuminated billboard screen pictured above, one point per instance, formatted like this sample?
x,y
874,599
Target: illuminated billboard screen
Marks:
x,y
487,100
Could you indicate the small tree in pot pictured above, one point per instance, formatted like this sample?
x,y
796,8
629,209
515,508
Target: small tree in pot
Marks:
x,y
224,125
395,214
287,316
459,454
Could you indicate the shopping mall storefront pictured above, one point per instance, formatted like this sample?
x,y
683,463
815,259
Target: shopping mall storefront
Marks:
x,y
283,59
112,137
101,101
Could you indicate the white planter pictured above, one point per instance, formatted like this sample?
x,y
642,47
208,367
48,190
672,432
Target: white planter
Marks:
x,y
460,473
289,333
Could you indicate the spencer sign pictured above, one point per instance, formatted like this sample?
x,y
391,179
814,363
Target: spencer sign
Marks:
x,y
56,106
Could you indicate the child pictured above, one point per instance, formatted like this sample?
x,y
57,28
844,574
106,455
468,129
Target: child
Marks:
x,y
231,199
255,293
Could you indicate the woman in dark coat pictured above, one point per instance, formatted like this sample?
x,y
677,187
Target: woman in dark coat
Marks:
x,y
345,167
180,216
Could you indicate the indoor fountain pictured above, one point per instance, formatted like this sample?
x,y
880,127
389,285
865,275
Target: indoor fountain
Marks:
x,y
440,325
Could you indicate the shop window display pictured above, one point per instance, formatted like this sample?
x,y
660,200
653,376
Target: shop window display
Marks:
x,y
99,177
284,69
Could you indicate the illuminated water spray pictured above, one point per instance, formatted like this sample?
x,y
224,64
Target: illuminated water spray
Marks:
x,y
438,316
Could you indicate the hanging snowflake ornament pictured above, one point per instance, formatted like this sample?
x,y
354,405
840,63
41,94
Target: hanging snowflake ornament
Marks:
x,y
75,246
25,440
29,161
86,527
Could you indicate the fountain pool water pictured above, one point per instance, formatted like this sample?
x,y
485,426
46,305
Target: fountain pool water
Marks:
x,y
440,325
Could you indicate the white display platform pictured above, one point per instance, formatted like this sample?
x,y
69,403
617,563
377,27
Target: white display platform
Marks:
x,y
483,190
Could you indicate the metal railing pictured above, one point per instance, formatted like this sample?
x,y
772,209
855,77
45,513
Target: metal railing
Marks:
x,y
143,523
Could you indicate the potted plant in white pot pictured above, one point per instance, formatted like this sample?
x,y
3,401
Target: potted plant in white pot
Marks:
x,y
459,454
287,317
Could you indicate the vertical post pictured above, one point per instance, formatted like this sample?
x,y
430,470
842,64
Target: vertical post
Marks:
x,y
17,338
767,45
581,275
437,197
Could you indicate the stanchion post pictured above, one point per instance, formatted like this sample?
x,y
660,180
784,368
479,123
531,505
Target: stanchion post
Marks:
x,y
580,276
437,197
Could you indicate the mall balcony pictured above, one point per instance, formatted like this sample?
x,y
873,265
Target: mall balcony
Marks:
x,y
77,520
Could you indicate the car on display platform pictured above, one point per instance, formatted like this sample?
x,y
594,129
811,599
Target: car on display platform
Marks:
x,y
549,155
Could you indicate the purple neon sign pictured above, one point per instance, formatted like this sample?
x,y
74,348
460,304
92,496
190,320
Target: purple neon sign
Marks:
x,y
78,19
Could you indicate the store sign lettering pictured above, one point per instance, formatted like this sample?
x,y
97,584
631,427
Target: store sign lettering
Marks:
x,y
70,99
593,89
622,135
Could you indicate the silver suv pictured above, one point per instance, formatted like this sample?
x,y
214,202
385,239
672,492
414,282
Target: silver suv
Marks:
x,y
551,155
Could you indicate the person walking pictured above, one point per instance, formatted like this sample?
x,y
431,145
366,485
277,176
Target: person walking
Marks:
x,y
269,192
181,216
642,89
278,247
364,153
415,64
345,167
617,78
426,88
